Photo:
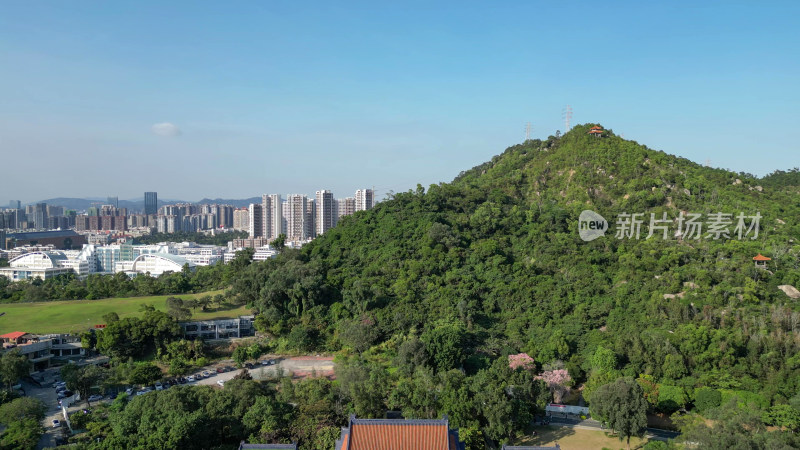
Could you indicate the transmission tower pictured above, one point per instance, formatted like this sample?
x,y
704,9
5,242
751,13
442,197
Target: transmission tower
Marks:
x,y
567,113
528,131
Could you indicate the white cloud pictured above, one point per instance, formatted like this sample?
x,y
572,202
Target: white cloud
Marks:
x,y
166,129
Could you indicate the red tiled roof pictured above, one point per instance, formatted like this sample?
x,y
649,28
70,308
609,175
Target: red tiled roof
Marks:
x,y
761,257
13,335
597,127
410,435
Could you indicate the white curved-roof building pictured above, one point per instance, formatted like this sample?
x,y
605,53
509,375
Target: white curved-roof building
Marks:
x,y
159,263
42,265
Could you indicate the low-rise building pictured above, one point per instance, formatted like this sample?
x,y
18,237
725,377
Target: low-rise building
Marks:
x,y
36,349
219,329
66,345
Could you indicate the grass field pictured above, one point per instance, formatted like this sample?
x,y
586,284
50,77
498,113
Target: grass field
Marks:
x,y
78,315
576,439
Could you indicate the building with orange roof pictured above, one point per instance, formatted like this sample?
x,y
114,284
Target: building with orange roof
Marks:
x,y
416,434
761,260
15,338
596,130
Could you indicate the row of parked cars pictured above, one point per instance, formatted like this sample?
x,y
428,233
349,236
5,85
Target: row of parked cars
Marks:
x,y
166,384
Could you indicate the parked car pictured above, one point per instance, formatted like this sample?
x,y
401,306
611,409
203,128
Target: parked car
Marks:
x,y
64,394
220,369
129,391
95,398
144,390
159,386
190,378
206,374
56,423
221,382
181,380
265,362
249,365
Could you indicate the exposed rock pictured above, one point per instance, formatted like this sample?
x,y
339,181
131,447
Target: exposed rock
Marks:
x,y
737,182
790,290
780,221
690,285
686,191
671,296
759,188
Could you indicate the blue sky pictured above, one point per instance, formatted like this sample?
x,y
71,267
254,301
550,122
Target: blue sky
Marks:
x,y
293,97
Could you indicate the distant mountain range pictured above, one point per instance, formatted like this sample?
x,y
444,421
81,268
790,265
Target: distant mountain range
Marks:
x,y
83,204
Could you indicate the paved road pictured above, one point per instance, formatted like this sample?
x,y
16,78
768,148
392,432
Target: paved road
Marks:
x,y
652,433
299,365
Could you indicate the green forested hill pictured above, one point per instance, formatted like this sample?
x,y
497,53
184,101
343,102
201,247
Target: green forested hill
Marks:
x,y
495,255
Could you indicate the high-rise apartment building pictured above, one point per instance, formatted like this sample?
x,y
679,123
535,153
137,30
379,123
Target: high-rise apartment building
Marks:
x,y
365,199
113,201
15,204
297,227
326,211
311,218
40,216
241,220
150,203
256,219
345,207
272,211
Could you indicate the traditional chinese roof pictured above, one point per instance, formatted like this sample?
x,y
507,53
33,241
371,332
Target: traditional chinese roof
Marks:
x,y
597,127
378,434
13,335
761,257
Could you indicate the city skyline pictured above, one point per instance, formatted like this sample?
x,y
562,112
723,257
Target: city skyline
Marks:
x,y
263,97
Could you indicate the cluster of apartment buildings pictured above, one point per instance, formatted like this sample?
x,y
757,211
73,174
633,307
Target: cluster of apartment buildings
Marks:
x,y
110,217
298,217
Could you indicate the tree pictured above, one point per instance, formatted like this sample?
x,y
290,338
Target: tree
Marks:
x,y
22,408
13,366
707,398
558,381
783,416
83,379
279,242
622,406
177,309
22,434
144,373
301,338
110,317
240,355
445,345
268,420
243,374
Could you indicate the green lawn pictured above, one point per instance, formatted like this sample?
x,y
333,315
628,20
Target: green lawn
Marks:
x,y
78,315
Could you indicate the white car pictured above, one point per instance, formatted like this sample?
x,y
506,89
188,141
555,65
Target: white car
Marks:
x,y
206,374
159,386
95,398
190,378
221,383
129,391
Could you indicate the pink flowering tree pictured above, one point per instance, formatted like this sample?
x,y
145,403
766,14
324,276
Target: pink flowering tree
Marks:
x,y
521,360
558,380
